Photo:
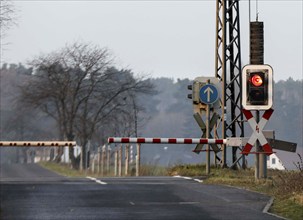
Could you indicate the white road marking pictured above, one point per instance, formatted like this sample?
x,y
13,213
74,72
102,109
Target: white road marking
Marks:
x,y
97,181
188,203
132,203
100,182
91,178
199,181
184,177
187,178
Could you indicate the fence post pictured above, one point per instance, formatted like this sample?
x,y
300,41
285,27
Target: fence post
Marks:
x,y
103,159
93,164
44,154
120,160
138,160
108,160
116,162
81,158
126,159
99,159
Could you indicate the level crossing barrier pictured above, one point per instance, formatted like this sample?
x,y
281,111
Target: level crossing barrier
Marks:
x,y
37,143
166,140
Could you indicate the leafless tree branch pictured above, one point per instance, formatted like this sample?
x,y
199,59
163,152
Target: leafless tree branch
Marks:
x,y
7,19
78,87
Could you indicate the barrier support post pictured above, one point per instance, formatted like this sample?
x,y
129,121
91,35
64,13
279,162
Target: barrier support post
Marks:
x,y
116,162
120,160
108,160
126,159
138,160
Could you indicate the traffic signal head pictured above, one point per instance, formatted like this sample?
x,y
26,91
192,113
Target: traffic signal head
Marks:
x,y
257,93
195,88
257,87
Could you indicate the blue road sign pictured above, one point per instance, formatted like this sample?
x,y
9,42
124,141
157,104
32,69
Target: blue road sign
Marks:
x,y
209,94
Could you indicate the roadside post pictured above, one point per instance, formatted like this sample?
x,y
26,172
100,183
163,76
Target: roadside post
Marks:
x,y
103,155
108,159
208,95
116,162
126,159
120,160
99,160
81,159
138,160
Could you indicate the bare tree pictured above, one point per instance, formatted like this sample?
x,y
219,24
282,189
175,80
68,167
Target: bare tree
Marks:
x,y
18,122
79,88
7,11
7,19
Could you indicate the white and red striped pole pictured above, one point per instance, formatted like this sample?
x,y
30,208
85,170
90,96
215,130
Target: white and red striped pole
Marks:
x,y
166,140
37,143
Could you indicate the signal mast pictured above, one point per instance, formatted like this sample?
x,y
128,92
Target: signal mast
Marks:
x,y
228,70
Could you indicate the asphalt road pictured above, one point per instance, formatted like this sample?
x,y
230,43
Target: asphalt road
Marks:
x,y
31,192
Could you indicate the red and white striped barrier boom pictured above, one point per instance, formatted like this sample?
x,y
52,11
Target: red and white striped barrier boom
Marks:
x,y
37,143
166,140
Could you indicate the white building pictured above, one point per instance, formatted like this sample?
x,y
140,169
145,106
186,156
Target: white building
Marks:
x,y
283,160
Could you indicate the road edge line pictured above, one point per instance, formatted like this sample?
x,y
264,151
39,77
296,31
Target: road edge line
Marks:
x,y
267,207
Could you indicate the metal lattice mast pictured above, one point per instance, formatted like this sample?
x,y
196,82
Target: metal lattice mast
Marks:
x,y
228,70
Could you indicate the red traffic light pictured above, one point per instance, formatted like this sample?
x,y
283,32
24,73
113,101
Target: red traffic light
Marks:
x,y
257,87
256,80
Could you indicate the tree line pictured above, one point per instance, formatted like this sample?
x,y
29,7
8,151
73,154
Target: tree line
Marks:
x,y
76,93
80,89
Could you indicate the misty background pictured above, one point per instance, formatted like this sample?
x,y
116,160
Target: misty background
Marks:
x,y
174,39
162,44
165,113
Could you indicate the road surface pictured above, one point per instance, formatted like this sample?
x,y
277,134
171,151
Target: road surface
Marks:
x,y
31,192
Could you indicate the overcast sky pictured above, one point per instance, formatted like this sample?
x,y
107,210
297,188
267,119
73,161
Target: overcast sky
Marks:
x,y
174,39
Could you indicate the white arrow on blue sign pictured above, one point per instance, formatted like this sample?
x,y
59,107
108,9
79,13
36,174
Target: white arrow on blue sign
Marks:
x,y
209,94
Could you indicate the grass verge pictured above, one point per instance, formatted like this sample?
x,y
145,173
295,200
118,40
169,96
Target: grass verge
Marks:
x,y
62,169
285,186
66,170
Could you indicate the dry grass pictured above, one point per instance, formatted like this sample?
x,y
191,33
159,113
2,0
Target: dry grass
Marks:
x,y
65,170
285,186
62,169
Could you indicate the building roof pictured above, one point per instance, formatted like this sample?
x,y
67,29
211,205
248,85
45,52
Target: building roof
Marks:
x,y
289,159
